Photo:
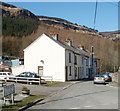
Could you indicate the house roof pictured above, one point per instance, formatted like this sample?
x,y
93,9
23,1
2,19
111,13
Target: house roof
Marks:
x,y
64,45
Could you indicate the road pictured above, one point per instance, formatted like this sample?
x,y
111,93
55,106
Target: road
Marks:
x,y
83,95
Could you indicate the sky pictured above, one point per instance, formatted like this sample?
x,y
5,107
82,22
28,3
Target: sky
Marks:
x,y
82,13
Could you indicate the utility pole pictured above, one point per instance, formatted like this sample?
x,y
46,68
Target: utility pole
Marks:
x,y
92,64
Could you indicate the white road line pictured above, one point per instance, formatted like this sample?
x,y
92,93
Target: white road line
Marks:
x,y
88,106
75,108
113,86
106,85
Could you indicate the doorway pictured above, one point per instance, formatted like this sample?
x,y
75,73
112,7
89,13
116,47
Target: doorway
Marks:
x,y
40,70
66,73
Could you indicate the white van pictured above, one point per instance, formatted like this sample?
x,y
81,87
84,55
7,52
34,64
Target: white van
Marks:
x,y
5,75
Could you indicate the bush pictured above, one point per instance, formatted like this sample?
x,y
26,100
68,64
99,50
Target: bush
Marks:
x,y
24,88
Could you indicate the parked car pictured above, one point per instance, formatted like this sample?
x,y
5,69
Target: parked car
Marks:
x,y
99,79
28,74
107,77
5,75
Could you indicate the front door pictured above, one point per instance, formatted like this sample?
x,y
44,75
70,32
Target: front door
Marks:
x,y
40,70
66,73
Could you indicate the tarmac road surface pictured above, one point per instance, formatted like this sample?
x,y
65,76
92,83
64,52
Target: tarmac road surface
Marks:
x,y
83,95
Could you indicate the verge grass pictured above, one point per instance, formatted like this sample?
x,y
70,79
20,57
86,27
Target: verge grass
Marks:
x,y
54,84
26,101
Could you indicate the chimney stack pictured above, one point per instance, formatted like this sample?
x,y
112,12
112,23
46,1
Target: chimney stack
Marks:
x,y
54,35
80,46
68,42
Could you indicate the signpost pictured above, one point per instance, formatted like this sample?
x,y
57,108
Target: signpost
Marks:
x,y
9,90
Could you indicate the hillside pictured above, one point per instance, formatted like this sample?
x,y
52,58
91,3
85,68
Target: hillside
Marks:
x,y
13,13
112,35
16,12
22,31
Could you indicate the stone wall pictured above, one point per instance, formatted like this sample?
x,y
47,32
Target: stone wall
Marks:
x,y
116,77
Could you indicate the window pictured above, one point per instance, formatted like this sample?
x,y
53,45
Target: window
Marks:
x,y
70,71
75,71
75,60
78,70
69,57
82,60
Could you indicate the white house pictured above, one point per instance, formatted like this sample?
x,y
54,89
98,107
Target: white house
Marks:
x,y
47,56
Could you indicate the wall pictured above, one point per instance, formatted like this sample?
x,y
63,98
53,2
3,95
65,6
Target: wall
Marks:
x,y
51,53
78,66
116,77
17,69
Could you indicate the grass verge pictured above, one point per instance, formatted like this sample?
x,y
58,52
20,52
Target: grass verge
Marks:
x,y
49,83
26,101
54,84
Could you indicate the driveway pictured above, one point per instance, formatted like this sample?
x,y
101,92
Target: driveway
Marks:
x,y
37,89
84,95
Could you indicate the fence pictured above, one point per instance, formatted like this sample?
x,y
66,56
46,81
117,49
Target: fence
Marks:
x,y
47,78
27,79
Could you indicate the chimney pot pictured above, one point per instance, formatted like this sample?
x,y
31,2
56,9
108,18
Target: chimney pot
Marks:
x,y
81,46
54,35
68,42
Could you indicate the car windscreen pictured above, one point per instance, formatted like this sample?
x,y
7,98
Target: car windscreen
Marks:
x,y
99,76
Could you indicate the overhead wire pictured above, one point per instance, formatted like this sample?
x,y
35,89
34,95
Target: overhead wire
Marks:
x,y
95,15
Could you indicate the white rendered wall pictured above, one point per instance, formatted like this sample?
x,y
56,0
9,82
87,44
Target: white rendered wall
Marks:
x,y
17,69
51,53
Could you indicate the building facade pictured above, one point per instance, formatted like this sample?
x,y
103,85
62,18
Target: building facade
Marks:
x,y
47,56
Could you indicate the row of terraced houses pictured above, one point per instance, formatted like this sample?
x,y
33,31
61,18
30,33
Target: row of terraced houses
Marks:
x,y
48,56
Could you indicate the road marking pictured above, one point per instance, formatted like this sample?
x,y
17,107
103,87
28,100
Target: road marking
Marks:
x,y
106,85
75,108
98,105
88,106
113,86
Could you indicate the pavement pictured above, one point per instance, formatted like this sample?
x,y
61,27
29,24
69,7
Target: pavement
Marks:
x,y
113,84
36,89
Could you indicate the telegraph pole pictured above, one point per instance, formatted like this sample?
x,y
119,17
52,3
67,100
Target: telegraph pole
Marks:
x,y
92,64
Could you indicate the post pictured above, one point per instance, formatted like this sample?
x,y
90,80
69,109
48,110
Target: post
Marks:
x,y
4,100
16,79
40,80
114,68
92,64
13,98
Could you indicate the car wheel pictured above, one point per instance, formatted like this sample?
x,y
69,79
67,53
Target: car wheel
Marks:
x,y
104,83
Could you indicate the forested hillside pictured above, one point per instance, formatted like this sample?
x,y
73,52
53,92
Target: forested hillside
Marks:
x,y
18,27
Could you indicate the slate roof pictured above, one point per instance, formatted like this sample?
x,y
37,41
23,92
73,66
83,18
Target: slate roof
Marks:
x,y
64,45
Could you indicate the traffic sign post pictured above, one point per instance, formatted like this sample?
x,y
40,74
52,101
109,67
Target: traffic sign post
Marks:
x,y
8,90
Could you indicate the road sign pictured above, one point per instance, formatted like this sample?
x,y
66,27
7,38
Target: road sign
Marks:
x,y
9,89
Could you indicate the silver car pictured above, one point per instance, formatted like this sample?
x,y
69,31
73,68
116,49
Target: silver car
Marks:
x,y
99,79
